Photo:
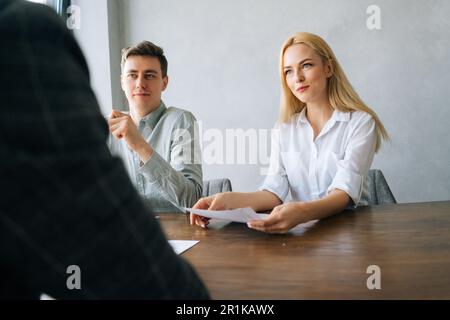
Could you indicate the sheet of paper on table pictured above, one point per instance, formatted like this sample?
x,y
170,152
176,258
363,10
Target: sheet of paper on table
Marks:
x,y
242,215
180,246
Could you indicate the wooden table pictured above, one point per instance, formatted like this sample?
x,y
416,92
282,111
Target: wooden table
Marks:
x,y
327,259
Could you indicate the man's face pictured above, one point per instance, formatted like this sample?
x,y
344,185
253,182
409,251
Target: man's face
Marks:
x,y
142,82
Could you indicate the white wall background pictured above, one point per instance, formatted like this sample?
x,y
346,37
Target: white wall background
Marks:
x,y
223,66
94,41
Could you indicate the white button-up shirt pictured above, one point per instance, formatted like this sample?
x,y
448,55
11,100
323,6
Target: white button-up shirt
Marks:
x,y
339,158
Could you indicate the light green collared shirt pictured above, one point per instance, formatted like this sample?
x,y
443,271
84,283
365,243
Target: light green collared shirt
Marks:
x,y
172,177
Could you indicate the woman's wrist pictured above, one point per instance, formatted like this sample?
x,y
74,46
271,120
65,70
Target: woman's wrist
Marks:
x,y
309,210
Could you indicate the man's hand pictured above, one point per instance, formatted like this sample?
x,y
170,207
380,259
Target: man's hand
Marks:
x,y
121,126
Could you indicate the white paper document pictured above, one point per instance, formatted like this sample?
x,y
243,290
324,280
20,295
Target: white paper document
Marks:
x,y
180,246
242,215
45,296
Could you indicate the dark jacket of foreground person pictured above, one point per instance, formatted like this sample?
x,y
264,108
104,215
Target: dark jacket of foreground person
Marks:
x,y
64,200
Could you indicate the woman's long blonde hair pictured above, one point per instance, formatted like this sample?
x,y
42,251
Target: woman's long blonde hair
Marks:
x,y
341,94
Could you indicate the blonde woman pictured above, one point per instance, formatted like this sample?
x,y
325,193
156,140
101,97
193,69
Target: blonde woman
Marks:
x,y
323,145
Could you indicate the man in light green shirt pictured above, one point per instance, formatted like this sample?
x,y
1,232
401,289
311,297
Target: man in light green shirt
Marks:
x,y
159,145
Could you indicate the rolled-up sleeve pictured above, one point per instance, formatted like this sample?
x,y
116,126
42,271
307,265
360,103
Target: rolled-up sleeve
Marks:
x,y
179,181
276,180
358,157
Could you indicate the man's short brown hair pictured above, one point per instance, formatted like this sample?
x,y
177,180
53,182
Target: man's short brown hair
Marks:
x,y
146,48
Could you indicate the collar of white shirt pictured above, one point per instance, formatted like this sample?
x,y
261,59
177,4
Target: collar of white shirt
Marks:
x,y
336,116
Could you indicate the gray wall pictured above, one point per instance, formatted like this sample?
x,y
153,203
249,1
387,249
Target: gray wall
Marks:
x,y
100,37
94,41
223,58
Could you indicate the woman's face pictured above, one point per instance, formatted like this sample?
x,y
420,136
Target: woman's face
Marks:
x,y
306,74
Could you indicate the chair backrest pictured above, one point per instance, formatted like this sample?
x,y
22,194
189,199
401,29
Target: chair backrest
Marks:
x,y
211,187
378,189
